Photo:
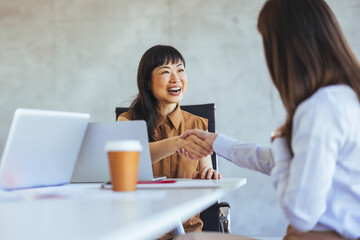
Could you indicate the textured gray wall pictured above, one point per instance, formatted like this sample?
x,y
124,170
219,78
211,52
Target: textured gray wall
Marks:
x,y
82,55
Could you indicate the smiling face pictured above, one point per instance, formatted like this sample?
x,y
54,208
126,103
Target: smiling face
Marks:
x,y
168,85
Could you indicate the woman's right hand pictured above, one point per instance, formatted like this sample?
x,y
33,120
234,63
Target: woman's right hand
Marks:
x,y
194,148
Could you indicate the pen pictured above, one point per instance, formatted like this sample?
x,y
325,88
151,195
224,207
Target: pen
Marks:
x,y
155,182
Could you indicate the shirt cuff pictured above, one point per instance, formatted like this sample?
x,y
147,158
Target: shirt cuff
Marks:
x,y
223,144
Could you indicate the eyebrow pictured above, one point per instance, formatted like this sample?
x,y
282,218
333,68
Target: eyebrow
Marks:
x,y
164,67
169,67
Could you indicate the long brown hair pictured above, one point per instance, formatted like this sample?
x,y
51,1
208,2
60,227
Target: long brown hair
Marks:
x,y
305,49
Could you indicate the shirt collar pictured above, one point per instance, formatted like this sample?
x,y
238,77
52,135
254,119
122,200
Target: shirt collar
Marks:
x,y
174,117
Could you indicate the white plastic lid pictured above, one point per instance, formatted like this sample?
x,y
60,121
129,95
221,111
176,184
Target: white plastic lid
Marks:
x,y
124,145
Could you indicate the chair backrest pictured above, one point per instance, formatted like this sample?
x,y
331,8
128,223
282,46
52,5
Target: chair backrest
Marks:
x,y
203,110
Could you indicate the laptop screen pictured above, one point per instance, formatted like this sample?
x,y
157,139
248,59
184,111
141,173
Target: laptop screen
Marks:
x,y
41,148
92,164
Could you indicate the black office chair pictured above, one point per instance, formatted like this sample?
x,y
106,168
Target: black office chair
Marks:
x,y
217,217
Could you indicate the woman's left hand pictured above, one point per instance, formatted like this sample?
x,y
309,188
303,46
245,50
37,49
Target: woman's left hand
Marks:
x,y
206,173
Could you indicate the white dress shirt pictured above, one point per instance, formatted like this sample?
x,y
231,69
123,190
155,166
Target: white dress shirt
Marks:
x,y
319,187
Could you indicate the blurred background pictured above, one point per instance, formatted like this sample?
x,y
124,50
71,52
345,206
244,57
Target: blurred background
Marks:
x,y
82,56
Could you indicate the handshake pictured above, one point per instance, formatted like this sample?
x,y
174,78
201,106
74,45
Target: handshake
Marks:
x,y
196,144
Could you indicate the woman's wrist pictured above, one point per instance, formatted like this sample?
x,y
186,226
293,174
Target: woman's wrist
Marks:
x,y
214,136
178,142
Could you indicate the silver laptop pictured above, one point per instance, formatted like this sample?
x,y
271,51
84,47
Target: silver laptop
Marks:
x,y
92,164
41,148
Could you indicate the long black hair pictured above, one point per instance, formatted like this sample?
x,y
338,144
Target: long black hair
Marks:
x,y
144,107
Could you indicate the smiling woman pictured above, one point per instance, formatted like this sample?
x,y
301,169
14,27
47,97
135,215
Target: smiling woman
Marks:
x,y
162,83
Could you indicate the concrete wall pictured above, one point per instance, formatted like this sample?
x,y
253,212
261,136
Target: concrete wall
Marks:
x,y
82,55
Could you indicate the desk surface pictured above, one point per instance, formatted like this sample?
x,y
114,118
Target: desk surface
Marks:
x,y
84,211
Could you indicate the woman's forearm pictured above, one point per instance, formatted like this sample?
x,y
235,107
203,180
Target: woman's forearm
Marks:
x,y
164,148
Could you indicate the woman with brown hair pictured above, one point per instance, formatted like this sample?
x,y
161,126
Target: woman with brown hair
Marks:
x,y
314,160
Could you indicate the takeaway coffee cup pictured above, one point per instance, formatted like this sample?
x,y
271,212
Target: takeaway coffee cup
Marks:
x,y
123,157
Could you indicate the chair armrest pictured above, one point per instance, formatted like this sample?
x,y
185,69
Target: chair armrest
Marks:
x,y
215,216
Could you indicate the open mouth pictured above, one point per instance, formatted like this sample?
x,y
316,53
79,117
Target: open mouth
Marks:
x,y
174,90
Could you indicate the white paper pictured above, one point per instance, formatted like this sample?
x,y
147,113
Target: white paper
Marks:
x,y
182,183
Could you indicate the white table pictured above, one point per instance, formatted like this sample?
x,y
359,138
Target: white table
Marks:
x,y
84,211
